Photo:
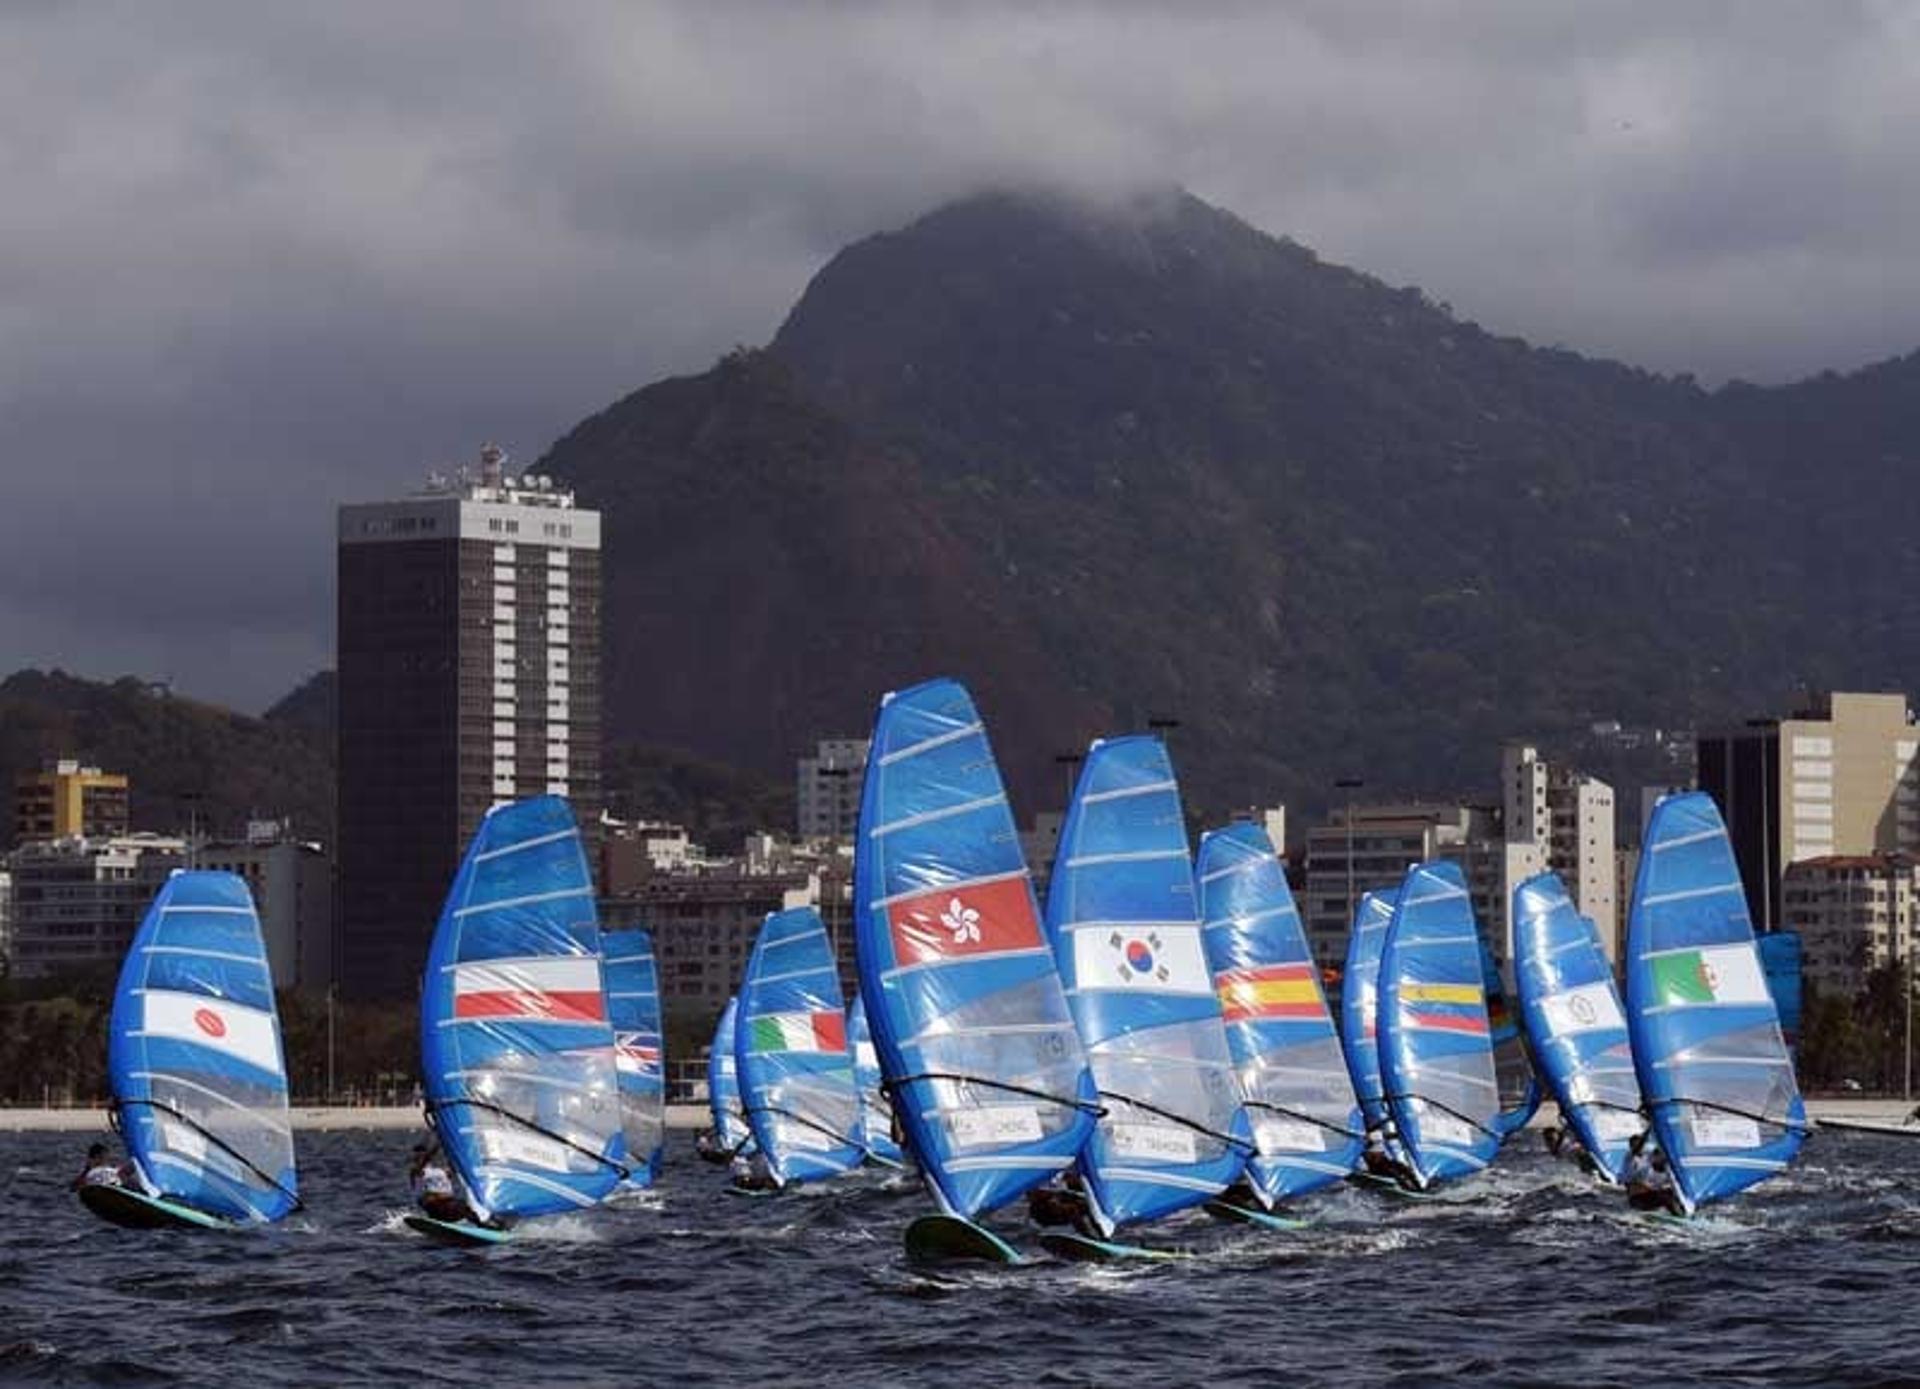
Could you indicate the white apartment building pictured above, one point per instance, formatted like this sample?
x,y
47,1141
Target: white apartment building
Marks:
x,y
78,901
1854,913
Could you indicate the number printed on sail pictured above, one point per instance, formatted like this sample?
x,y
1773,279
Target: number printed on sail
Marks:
x,y
1610,1125
994,1126
523,1149
1289,1136
1724,1131
1153,1142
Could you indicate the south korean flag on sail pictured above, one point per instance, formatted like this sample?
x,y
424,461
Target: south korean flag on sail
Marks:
x,y
1147,958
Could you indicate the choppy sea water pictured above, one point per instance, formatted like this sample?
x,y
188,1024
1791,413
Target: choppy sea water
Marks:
x,y
1528,1276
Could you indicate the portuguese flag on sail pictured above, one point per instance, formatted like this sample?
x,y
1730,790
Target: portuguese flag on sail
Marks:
x,y
1715,974
822,1031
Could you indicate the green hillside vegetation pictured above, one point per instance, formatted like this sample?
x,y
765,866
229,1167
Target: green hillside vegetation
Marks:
x,y
1115,464
189,763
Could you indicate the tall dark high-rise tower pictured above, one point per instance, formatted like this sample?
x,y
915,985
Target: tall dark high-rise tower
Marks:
x,y
469,674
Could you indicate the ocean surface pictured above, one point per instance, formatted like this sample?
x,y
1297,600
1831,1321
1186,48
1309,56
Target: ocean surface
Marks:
x,y
1526,1276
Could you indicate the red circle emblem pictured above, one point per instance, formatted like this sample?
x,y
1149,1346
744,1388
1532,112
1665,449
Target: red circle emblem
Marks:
x,y
210,1022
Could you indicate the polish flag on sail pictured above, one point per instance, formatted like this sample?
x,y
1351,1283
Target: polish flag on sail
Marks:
x,y
949,923
559,988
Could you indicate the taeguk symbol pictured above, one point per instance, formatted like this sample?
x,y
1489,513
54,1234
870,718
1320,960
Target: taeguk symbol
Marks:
x,y
1139,957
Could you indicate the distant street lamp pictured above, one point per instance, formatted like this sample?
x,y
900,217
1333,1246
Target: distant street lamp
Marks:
x,y
1071,761
1349,784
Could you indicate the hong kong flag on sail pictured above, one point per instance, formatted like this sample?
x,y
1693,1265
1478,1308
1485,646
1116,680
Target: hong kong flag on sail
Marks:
x,y
950,923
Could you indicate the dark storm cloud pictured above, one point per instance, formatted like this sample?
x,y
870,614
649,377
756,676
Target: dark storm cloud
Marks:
x,y
256,260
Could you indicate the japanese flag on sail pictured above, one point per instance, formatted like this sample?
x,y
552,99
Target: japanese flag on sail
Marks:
x,y
548,988
1153,959
1716,974
1588,1008
950,923
247,1034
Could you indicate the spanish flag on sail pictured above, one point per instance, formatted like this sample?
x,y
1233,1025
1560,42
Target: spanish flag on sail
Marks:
x,y
1272,991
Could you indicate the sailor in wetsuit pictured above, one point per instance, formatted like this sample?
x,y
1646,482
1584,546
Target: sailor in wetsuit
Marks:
x,y
1061,1201
1379,1162
1648,1181
750,1172
433,1187
100,1171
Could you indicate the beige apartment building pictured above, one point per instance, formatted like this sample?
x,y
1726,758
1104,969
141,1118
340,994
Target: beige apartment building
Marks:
x,y
1839,778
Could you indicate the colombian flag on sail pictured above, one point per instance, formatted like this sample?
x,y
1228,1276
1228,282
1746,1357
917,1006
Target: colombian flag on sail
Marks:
x,y
1271,991
1431,1006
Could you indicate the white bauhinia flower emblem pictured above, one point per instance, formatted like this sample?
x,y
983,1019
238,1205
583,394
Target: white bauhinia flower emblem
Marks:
x,y
962,920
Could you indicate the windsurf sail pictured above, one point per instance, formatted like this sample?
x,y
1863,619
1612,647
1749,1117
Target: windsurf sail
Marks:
x,y
730,1129
790,1052
633,1009
876,1110
194,1058
1512,1067
1573,1016
1436,1059
1360,1004
968,1017
1713,1065
1307,1125
1780,957
516,1048
1125,925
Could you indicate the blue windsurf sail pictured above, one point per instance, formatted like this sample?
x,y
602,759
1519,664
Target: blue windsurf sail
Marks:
x,y
515,1045
1125,925
985,1070
1780,958
876,1110
1307,1125
1360,1004
790,1052
1706,1036
1574,1019
194,1059
633,1008
1512,1068
1436,1059
730,1128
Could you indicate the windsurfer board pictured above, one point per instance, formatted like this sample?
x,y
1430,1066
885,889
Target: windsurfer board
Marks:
x,y
1250,1215
941,1238
733,1189
1082,1249
460,1233
1883,1130
1387,1186
133,1210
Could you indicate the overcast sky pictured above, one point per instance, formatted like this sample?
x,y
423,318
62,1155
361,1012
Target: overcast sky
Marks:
x,y
259,259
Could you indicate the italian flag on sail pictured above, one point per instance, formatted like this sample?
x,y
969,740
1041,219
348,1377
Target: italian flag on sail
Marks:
x,y
822,1031
1716,974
